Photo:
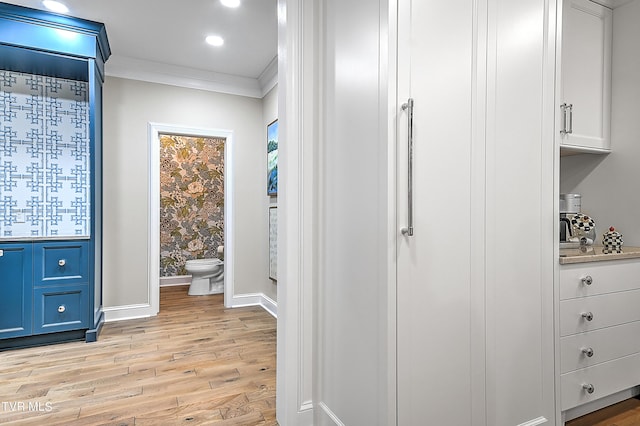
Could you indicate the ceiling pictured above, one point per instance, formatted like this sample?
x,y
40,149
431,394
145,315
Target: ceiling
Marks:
x,y
164,41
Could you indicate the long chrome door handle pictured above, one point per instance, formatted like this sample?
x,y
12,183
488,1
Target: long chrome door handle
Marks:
x,y
567,118
570,130
408,106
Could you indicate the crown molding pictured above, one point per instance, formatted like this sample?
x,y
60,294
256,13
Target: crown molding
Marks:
x,y
174,75
269,77
612,4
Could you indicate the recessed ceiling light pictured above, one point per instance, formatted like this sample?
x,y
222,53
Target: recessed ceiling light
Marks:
x,y
55,6
230,3
215,40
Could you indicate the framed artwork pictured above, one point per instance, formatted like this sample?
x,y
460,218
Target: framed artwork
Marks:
x,y
272,158
273,243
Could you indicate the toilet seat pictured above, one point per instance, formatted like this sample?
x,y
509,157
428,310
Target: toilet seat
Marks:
x,y
211,262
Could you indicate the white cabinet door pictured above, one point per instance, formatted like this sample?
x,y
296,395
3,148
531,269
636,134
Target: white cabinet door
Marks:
x,y
434,283
586,75
474,287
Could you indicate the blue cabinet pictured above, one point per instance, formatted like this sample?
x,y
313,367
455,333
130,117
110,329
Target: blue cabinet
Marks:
x,y
51,225
15,290
44,288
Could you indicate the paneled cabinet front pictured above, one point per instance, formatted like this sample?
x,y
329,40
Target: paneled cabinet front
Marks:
x,y
599,330
585,89
16,286
44,288
60,293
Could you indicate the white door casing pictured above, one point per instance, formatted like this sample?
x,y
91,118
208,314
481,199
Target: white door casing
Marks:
x,y
154,131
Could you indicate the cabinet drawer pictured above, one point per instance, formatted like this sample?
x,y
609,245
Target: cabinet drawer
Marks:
x,y
57,263
60,308
607,277
607,309
607,378
606,344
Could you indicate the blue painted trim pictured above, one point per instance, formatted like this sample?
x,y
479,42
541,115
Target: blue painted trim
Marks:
x,y
42,339
92,334
18,59
38,27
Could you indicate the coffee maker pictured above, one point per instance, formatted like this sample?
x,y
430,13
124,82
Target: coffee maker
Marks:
x,y
570,205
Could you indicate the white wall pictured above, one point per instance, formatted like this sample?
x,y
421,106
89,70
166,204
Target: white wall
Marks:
x,y
270,113
128,108
607,182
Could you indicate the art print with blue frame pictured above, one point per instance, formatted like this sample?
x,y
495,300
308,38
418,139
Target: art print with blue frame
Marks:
x,y
272,158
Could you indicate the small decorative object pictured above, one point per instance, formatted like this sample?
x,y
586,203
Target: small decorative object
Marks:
x,y
612,241
583,229
272,158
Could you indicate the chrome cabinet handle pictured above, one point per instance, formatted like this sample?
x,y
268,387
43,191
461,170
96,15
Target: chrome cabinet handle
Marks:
x,y
567,118
588,352
587,280
62,262
61,308
408,106
588,387
588,316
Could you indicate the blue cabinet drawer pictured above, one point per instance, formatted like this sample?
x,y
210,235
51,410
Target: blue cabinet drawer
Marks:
x,y
61,263
15,290
60,309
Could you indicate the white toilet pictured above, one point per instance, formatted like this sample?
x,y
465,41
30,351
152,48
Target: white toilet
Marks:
x,y
207,276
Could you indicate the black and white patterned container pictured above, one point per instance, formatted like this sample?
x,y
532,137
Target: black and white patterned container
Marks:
x,y
612,241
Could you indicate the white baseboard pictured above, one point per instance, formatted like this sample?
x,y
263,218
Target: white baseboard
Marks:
x,y
329,414
535,422
175,281
127,312
255,299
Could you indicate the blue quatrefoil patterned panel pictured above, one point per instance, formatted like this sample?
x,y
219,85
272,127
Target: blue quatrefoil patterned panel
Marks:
x,y
44,157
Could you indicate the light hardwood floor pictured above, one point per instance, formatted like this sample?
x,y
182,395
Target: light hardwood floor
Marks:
x,y
626,413
195,363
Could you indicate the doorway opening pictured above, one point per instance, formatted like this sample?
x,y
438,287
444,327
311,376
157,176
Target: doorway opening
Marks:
x,y
156,130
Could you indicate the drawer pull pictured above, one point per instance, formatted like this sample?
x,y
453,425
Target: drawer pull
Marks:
x,y
587,280
588,387
588,352
62,262
61,308
588,316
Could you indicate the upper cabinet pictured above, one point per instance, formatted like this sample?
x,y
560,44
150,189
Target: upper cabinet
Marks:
x,y
585,84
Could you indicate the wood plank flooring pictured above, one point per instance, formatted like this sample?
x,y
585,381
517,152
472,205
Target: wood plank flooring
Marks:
x,y
196,363
625,413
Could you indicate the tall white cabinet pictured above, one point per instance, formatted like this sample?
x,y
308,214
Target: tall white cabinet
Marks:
x,y
475,280
452,325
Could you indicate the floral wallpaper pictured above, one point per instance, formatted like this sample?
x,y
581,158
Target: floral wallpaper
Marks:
x,y
191,200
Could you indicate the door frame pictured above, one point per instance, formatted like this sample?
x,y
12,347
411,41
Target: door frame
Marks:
x,y
154,132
